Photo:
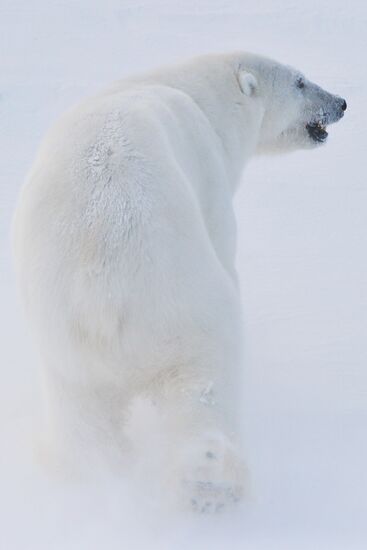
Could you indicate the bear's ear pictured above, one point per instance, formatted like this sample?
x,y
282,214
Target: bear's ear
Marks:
x,y
248,82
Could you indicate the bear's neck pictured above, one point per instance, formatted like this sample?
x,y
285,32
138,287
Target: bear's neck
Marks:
x,y
236,119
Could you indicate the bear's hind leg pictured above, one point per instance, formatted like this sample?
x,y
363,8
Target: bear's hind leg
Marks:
x,y
205,467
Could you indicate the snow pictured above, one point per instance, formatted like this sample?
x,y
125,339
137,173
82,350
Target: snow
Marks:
x,y
301,258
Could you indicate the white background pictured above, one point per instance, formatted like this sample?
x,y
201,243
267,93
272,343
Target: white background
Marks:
x,y
301,257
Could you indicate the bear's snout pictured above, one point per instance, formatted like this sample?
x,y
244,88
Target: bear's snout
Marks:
x,y
342,105
336,110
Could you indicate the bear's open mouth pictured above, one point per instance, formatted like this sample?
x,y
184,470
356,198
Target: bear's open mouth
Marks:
x,y
317,131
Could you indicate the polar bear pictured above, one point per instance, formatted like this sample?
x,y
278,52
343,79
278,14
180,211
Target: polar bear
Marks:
x,y
125,241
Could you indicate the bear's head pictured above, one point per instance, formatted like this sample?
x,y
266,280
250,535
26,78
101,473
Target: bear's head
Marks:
x,y
295,111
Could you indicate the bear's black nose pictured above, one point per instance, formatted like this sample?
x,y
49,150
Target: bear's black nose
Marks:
x,y
344,105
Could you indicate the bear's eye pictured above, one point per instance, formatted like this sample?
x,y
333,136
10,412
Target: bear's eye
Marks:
x,y
300,83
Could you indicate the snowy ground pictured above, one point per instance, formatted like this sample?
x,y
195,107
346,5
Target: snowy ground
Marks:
x,y
302,246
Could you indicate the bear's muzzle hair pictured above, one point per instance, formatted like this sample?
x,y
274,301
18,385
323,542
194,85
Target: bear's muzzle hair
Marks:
x,y
317,127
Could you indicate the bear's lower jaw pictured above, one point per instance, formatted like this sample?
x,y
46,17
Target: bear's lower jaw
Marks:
x,y
317,131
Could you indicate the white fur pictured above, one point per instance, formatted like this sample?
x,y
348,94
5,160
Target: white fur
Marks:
x,y
125,247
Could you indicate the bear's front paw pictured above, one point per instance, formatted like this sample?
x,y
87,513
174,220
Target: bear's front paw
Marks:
x,y
214,475
208,497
